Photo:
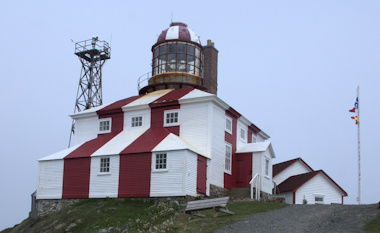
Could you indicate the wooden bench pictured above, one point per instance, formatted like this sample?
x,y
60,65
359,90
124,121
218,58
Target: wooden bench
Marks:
x,y
218,204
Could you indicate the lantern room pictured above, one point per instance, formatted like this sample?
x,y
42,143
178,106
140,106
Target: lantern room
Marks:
x,y
178,60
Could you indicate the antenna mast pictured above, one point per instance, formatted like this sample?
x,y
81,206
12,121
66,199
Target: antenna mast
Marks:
x,y
92,55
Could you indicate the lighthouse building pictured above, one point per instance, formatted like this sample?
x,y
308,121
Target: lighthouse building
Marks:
x,y
176,137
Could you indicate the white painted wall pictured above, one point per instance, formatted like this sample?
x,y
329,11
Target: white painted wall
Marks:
x,y
171,182
194,126
320,185
101,184
190,173
86,129
295,169
267,184
258,167
216,164
50,179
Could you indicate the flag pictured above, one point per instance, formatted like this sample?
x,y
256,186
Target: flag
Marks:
x,y
356,105
355,118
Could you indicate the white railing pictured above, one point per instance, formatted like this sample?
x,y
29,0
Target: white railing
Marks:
x,y
143,80
257,186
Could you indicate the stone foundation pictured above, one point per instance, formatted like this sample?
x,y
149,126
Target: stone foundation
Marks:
x,y
216,191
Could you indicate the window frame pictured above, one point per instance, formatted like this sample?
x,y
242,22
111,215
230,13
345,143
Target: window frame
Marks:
x,y
141,122
241,130
266,167
100,121
166,117
225,126
156,165
228,165
253,138
319,196
104,166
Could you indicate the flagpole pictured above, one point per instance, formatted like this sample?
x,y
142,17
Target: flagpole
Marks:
x,y
359,170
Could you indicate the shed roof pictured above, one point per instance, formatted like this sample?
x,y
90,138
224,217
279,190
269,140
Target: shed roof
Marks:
x,y
279,167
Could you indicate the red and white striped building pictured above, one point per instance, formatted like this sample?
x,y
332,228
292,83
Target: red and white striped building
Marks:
x,y
176,138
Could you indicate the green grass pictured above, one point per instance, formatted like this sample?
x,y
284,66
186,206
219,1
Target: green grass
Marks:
x,y
209,223
373,226
92,215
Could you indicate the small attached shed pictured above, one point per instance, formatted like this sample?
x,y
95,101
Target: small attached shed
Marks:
x,y
314,187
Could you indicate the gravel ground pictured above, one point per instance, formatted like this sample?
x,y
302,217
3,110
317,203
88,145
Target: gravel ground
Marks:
x,y
308,218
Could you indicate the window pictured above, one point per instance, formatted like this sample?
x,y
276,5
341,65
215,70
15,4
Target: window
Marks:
x,y
171,118
136,121
254,138
105,125
242,134
161,161
105,164
319,199
227,164
267,167
229,125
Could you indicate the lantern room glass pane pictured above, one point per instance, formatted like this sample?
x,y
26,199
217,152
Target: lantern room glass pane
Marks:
x,y
172,48
162,49
197,52
181,48
156,51
190,49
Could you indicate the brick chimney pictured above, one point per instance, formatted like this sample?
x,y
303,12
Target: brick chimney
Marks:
x,y
210,69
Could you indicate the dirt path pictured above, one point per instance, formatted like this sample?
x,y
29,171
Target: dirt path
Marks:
x,y
308,218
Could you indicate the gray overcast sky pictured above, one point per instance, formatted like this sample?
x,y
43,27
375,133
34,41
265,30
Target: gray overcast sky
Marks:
x,y
290,67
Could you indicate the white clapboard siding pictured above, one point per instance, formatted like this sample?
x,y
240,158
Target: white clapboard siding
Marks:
x,y
194,126
171,181
295,169
190,173
218,147
267,184
319,185
104,184
86,129
50,179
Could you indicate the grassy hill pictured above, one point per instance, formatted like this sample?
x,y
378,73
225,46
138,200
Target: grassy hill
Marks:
x,y
133,215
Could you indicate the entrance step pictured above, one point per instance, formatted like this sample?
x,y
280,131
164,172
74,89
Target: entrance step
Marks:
x,y
238,193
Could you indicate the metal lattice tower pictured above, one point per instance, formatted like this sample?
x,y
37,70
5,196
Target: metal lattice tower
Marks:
x,y
92,54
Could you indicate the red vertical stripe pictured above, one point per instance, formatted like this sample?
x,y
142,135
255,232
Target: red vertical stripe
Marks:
x,y
134,175
76,178
230,180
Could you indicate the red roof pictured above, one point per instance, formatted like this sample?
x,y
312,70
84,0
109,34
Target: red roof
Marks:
x,y
293,183
277,168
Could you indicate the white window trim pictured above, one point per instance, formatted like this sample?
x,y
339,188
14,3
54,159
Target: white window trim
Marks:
x,y
225,153
265,167
154,156
172,111
225,125
142,121
104,131
100,173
